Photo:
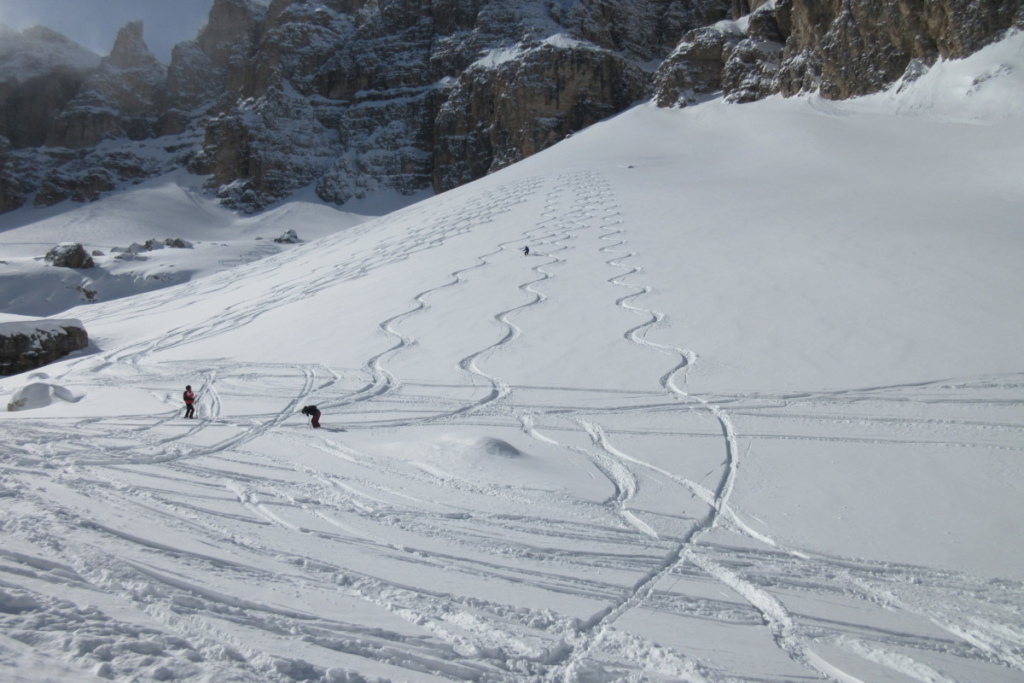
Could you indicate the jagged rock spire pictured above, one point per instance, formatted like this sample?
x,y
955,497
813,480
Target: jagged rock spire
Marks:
x,y
130,46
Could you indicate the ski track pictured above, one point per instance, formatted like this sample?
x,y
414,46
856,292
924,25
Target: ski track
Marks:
x,y
626,483
204,481
775,616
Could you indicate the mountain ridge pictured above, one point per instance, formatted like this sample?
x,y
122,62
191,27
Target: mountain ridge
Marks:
x,y
355,97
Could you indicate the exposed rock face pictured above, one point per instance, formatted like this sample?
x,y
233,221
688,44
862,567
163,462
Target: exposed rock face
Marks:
x,y
210,69
360,96
355,96
352,96
28,345
40,72
28,108
694,70
12,191
503,111
843,48
55,112
121,99
643,29
868,44
752,64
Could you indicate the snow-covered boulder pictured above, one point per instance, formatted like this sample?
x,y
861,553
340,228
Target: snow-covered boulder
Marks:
x,y
39,394
289,237
26,345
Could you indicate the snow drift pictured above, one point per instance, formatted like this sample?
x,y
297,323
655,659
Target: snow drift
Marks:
x,y
40,394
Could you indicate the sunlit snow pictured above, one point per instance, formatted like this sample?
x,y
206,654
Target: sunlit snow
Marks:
x,y
752,409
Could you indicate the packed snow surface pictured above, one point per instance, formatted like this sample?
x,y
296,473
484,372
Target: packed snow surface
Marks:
x,y
752,409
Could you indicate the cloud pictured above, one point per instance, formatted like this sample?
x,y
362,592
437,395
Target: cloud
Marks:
x,y
94,23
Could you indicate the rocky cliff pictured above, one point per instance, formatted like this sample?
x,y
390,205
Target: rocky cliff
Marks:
x,y
41,71
28,345
840,48
356,96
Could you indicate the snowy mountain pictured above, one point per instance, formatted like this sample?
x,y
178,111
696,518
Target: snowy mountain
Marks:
x,y
751,409
38,51
354,98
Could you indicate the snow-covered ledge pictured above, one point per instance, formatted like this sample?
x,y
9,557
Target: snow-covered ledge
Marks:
x,y
27,344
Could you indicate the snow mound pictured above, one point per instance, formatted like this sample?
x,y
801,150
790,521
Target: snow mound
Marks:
x,y
40,394
17,604
486,446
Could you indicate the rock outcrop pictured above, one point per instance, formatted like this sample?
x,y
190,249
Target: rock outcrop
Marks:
x,y
28,345
70,255
860,46
694,69
841,48
504,109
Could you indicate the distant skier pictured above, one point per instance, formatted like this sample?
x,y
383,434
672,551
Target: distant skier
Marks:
x,y
526,251
314,413
189,398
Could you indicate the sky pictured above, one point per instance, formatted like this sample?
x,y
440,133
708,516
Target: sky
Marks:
x,y
95,23
752,409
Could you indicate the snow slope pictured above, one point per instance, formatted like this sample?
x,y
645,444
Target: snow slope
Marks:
x,y
751,410
116,230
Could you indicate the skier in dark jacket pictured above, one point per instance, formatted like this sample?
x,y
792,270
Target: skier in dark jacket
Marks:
x,y
189,398
313,413
526,251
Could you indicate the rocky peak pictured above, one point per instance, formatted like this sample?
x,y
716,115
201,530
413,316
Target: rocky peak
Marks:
x,y
122,98
232,29
130,49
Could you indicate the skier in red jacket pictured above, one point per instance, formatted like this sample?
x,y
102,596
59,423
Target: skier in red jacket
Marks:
x,y
189,398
